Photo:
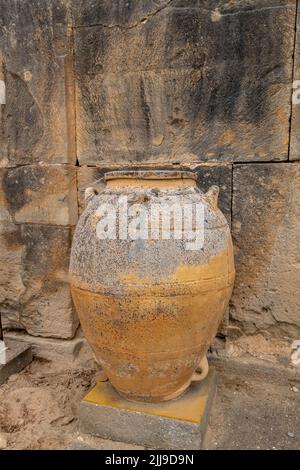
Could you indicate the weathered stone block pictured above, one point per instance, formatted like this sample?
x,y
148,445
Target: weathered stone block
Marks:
x,y
266,227
41,194
34,292
73,351
168,82
36,64
295,122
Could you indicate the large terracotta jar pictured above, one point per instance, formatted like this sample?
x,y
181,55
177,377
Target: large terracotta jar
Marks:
x,y
149,301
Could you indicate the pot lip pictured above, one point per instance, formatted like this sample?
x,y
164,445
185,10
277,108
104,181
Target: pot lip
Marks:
x,y
150,174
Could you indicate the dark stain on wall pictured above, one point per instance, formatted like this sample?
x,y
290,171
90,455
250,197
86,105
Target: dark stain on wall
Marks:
x,y
225,74
18,183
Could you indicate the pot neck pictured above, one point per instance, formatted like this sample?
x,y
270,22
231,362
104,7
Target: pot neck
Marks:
x,y
150,179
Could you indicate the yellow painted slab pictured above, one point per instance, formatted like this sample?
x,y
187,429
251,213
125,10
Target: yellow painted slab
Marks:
x,y
191,407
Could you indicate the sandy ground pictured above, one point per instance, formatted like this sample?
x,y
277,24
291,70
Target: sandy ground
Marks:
x,y
39,408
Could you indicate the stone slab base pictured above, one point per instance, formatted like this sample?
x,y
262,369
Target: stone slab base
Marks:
x,y
18,356
88,442
177,424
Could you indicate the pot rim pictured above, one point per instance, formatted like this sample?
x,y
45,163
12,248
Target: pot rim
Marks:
x,y
150,175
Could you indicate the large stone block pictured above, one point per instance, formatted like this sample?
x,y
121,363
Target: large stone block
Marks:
x,y
36,65
266,227
41,194
295,122
34,289
177,82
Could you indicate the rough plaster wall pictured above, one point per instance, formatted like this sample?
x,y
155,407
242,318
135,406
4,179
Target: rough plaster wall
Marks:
x,y
95,85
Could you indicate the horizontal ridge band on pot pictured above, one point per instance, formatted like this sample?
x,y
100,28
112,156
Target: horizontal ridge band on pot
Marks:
x,y
160,289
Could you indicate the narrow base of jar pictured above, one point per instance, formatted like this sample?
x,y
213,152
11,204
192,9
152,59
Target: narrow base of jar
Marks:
x,y
154,398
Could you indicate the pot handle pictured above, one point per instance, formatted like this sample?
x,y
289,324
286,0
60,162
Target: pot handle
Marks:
x,y
212,196
102,377
89,194
93,191
201,371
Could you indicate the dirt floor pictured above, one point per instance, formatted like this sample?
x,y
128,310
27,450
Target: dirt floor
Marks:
x,y
39,408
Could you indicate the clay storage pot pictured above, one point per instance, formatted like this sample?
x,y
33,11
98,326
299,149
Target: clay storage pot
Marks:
x,y
150,306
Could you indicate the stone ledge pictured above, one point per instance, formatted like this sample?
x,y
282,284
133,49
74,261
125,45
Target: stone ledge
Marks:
x,y
252,366
57,350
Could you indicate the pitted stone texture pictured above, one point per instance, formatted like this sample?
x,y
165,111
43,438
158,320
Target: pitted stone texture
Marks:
x,y
162,258
34,292
266,227
183,81
36,64
40,194
295,124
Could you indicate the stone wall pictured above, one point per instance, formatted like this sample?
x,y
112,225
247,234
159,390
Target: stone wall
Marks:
x,y
94,85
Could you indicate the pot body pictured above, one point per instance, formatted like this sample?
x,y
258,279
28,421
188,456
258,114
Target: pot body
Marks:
x,y
150,304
